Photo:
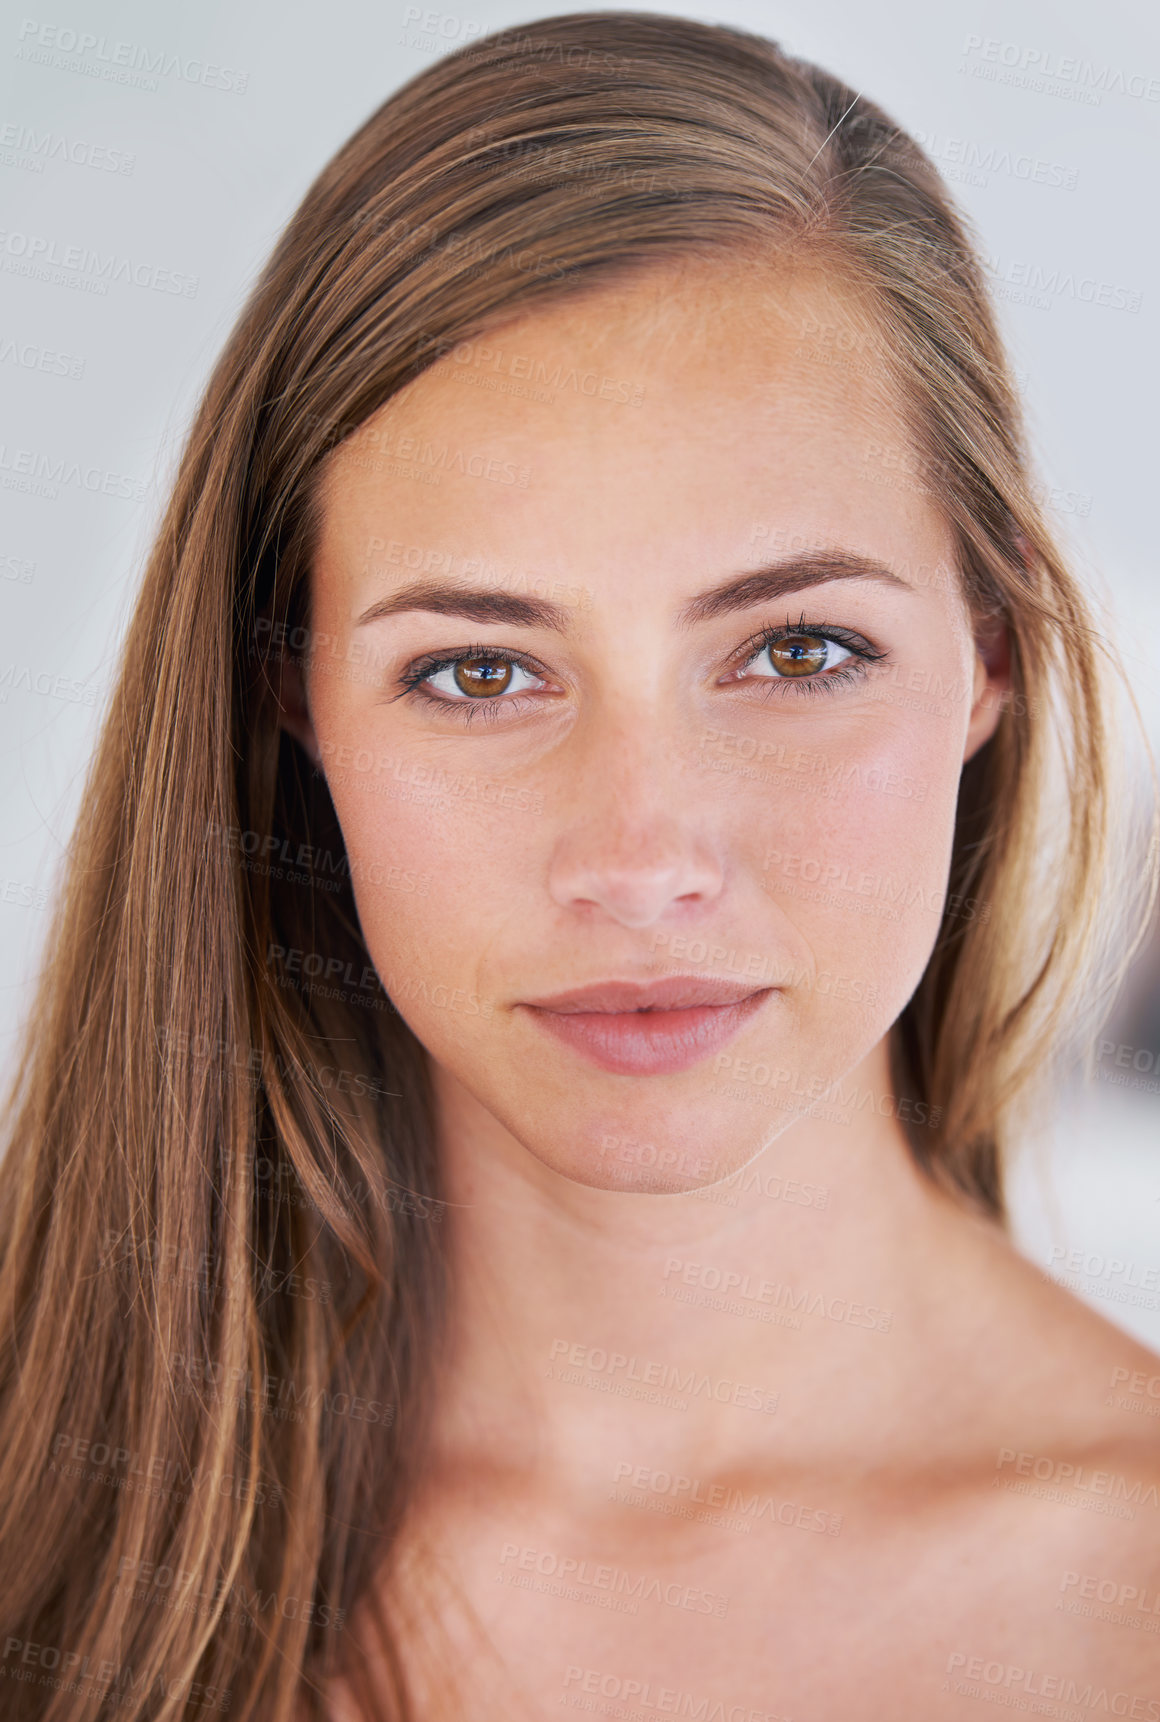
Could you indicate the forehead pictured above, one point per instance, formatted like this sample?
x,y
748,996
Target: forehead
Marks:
x,y
701,405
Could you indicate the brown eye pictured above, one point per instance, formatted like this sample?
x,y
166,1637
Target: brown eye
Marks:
x,y
482,677
798,654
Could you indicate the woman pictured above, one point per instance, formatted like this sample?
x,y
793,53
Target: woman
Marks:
x,y
504,1208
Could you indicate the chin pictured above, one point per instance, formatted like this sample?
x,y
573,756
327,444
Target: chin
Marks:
x,y
664,1133
647,1147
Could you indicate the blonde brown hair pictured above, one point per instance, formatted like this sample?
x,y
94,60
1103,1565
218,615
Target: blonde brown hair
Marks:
x,y
220,1171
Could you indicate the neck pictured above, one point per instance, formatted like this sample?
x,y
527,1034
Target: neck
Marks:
x,y
695,1330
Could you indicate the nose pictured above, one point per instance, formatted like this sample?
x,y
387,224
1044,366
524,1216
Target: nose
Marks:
x,y
634,846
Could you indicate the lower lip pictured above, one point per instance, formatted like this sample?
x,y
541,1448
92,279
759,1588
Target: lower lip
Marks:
x,y
649,1043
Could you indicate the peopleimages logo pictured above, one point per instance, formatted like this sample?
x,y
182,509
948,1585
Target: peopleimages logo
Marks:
x,y
64,1670
1025,282
30,149
136,1572
43,474
644,1480
975,1673
1072,1476
29,356
36,255
969,160
117,62
732,1283
1041,68
478,355
1090,1585
23,679
655,1373
575,1572
636,1697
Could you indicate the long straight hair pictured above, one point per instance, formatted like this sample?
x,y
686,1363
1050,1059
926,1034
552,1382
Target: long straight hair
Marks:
x,y
222,1275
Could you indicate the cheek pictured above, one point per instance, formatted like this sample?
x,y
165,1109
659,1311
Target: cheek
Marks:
x,y
441,862
856,850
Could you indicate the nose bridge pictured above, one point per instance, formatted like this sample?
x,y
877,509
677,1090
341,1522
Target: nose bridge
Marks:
x,y
634,841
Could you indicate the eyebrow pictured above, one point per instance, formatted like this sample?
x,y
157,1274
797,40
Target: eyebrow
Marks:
x,y
740,592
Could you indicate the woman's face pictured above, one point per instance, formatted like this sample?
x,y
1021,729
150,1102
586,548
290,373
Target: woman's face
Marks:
x,y
638,657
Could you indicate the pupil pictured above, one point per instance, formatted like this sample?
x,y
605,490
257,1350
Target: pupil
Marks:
x,y
798,654
482,677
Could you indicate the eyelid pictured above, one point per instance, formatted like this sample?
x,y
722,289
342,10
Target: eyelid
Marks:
x,y
826,630
420,670
507,695
428,661
862,648
428,664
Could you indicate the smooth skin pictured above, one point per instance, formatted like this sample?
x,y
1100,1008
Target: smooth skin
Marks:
x,y
730,1385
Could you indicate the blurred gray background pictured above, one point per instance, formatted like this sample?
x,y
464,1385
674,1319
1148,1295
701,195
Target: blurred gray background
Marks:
x,y
181,138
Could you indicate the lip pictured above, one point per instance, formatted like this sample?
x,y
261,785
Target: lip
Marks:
x,y
648,1029
674,992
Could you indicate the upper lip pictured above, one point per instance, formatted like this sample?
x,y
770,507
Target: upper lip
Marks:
x,y
676,992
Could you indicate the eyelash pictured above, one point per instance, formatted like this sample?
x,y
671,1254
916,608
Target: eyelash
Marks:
x,y
862,654
417,673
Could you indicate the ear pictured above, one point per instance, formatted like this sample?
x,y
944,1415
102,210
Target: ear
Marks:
x,y
992,684
294,707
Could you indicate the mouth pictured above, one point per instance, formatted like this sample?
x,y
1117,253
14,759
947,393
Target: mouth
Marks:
x,y
652,1029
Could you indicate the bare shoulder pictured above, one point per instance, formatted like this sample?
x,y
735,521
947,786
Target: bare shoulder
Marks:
x,y
1076,1369
1059,1378
1068,1471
